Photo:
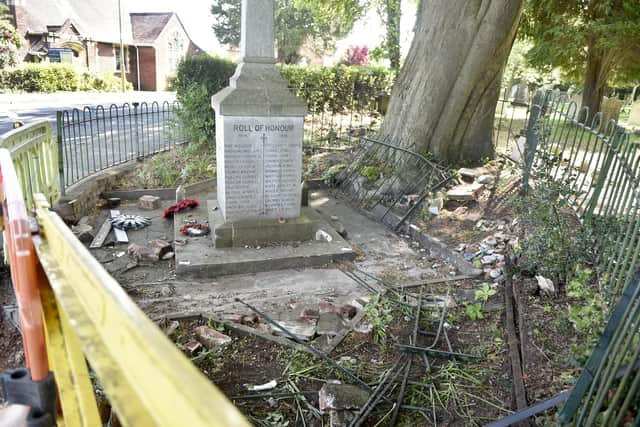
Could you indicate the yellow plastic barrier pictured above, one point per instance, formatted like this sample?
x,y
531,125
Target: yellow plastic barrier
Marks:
x,y
148,381
35,156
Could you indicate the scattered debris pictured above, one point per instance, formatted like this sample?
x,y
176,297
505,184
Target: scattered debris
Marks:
x,y
302,330
337,396
211,338
545,285
193,347
121,235
103,232
330,323
113,202
149,202
180,206
195,230
323,235
262,387
465,192
486,179
84,232
345,311
130,222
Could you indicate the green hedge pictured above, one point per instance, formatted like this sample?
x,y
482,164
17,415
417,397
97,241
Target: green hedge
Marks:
x,y
330,89
198,78
338,88
56,77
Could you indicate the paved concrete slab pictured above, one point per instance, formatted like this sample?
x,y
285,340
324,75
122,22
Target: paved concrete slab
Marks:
x,y
199,258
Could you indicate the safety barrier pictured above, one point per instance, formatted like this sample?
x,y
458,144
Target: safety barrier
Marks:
x,y
67,296
35,155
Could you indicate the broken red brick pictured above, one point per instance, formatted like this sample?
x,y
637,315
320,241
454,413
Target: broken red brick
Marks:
x,y
211,338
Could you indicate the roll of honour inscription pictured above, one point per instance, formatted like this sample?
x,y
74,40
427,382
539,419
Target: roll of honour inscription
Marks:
x,y
262,166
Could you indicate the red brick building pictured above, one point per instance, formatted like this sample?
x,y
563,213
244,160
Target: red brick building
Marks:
x,y
87,34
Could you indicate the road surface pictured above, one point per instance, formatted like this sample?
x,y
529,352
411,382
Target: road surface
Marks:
x,y
39,106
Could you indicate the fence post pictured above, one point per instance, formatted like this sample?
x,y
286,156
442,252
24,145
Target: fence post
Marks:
x,y
60,141
616,137
137,131
531,145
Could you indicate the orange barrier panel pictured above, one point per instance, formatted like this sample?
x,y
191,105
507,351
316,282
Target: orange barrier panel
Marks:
x,y
24,264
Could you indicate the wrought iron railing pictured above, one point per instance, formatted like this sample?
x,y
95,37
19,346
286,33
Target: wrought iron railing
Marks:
x,y
97,138
597,164
334,117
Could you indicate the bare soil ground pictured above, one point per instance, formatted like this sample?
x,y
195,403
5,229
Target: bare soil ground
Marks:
x,y
457,393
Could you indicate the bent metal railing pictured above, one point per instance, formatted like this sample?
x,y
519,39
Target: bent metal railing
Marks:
x,y
389,182
35,155
97,138
147,380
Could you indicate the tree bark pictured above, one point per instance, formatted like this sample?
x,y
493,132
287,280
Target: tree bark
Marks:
x,y
445,97
393,10
595,79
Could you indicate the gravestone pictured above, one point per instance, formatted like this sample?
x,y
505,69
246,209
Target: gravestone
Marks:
x,y
259,133
634,115
610,110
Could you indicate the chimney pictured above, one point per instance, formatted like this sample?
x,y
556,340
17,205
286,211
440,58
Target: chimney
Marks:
x,y
18,11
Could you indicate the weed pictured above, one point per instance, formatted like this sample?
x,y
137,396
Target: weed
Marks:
x,y
474,311
484,293
378,312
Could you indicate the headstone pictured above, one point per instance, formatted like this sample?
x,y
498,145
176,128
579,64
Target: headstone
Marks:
x,y
634,116
610,110
259,129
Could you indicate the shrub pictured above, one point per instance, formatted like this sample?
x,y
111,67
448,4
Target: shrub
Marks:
x,y
102,82
197,79
338,88
357,55
40,78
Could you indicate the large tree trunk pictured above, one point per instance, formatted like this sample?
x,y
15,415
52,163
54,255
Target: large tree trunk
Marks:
x,y
445,97
595,79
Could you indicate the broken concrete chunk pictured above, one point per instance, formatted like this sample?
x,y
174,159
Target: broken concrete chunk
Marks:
x,y
248,318
340,397
84,232
465,192
160,247
149,202
486,179
345,311
310,313
142,253
330,324
302,330
364,331
341,418
193,346
210,338
546,285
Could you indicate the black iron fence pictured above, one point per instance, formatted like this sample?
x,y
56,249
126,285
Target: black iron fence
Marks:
x,y
335,116
97,138
389,182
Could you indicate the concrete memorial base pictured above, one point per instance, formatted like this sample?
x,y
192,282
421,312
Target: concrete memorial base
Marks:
x,y
200,257
260,231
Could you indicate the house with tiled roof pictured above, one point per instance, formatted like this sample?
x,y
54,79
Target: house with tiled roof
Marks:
x,y
89,33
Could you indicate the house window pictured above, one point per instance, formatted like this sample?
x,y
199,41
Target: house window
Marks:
x,y
176,49
118,58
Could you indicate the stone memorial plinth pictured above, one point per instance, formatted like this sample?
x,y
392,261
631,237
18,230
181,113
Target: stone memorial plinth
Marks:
x,y
259,133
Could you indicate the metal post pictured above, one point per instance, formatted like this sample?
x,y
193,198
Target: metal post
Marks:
x,y
532,138
122,55
60,141
616,138
136,134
